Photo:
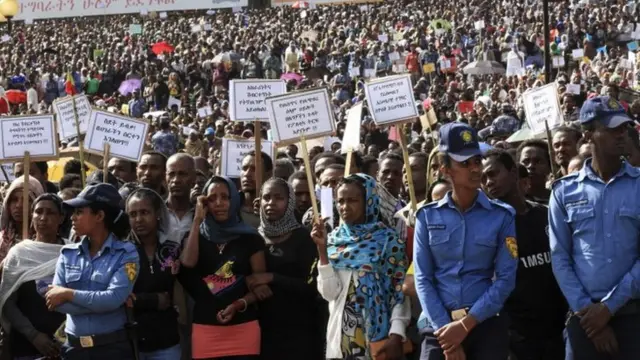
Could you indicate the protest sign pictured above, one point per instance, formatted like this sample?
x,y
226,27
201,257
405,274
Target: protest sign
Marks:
x,y
428,68
577,54
540,105
234,150
247,98
35,134
205,111
390,99
573,89
126,136
7,175
351,137
305,113
135,29
63,108
465,106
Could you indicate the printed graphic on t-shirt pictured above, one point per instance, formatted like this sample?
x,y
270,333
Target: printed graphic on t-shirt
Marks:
x,y
223,278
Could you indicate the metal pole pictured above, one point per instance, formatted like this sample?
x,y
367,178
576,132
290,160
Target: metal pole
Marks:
x,y
547,50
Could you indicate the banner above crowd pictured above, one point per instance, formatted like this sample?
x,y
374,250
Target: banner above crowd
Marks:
x,y
45,9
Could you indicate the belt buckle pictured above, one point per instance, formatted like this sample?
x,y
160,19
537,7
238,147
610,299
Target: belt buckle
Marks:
x,y
86,341
458,314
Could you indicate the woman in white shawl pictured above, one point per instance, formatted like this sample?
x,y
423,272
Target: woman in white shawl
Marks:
x,y
27,272
158,240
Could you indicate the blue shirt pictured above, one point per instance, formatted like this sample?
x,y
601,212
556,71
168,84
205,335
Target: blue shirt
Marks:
x,y
594,231
456,255
101,285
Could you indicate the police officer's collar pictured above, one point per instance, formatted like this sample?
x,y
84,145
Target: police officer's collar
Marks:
x,y
83,245
481,199
587,171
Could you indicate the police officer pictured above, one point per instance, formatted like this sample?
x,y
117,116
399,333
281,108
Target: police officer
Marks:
x,y
594,220
460,242
94,277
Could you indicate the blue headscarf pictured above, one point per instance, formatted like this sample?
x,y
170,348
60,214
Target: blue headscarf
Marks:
x,y
233,228
379,257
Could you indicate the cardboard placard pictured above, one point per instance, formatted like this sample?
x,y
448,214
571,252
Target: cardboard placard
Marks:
x,y
351,137
35,134
305,113
205,111
247,98
125,135
234,150
390,99
428,68
63,108
540,105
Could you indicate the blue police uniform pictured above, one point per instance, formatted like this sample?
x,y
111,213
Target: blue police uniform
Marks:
x,y
465,262
594,231
96,317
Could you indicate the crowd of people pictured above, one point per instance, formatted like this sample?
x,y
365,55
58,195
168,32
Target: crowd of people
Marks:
x,y
522,247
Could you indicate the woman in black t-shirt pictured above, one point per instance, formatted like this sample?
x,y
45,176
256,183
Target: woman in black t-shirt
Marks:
x,y
289,320
220,253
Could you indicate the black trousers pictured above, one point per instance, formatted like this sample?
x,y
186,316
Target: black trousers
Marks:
x,y
626,329
543,347
489,340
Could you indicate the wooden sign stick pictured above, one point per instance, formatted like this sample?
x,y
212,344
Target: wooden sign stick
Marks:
x,y
405,155
552,156
25,195
307,169
347,166
83,175
105,162
258,158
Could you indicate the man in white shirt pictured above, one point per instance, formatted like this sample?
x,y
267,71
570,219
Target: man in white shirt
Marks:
x,y
32,97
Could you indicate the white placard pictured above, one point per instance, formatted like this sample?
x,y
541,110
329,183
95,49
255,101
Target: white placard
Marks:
x,y
234,150
144,12
558,61
577,54
351,136
390,99
305,113
573,89
125,135
370,73
207,27
625,64
540,105
196,28
326,203
303,14
394,56
246,98
383,38
5,38
35,134
479,25
28,21
163,15
174,101
236,9
63,108
205,111
8,169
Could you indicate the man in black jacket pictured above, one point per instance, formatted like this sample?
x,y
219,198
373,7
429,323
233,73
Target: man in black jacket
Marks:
x,y
536,306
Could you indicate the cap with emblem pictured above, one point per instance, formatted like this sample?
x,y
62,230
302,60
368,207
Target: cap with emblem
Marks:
x,y
604,109
105,194
459,141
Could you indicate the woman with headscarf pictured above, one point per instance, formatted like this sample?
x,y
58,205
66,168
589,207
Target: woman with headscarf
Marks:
x,y
220,253
360,272
291,268
158,244
11,218
27,272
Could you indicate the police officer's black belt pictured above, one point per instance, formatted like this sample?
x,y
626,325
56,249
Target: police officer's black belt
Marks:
x,y
98,340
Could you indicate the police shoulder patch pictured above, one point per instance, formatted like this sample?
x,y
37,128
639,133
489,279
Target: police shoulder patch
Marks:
x,y
512,246
132,270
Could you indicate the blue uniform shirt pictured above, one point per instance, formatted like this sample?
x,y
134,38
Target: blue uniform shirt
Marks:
x,y
101,285
457,254
594,232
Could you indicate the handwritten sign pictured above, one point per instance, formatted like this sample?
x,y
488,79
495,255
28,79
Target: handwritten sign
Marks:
x,y
234,150
304,113
390,99
8,170
246,98
125,135
540,105
35,134
63,109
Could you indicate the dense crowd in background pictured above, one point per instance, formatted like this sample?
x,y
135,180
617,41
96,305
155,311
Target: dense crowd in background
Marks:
x,y
208,268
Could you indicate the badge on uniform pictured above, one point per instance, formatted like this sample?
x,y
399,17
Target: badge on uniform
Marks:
x,y
512,245
131,270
